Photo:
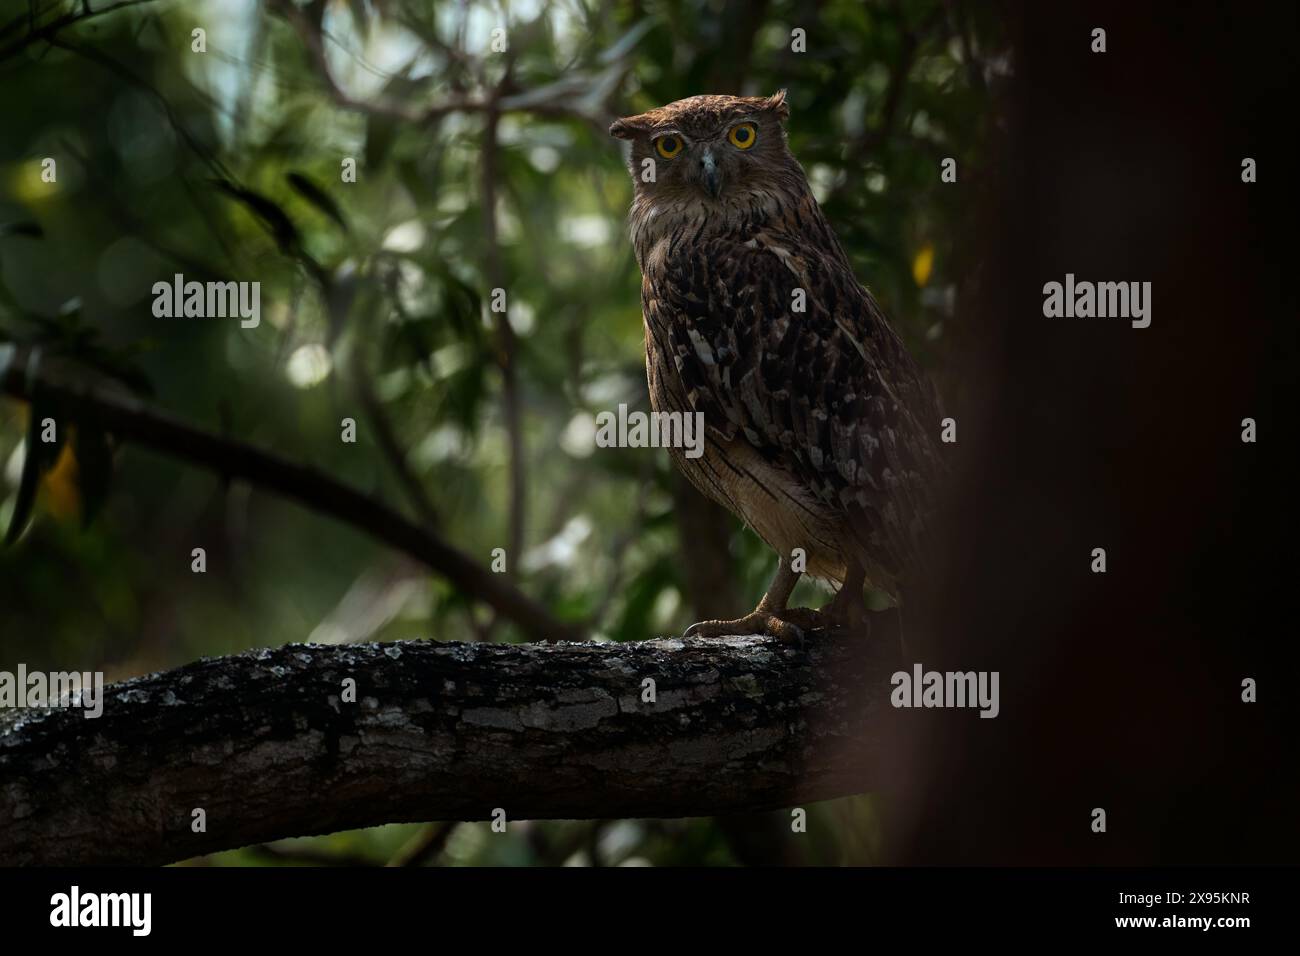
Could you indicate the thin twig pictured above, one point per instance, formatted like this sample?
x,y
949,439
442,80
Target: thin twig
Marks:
x,y
389,445
495,102
506,345
47,32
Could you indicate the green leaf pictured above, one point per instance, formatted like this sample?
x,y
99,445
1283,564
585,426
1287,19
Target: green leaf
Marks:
x,y
466,390
275,218
318,197
411,341
381,133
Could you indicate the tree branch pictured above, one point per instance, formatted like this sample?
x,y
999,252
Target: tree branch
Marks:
x,y
35,34
264,743
578,97
130,419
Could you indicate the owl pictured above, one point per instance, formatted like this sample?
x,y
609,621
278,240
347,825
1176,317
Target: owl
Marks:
x,y
818,423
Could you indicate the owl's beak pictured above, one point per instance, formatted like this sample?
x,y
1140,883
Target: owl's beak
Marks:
x,y
712,181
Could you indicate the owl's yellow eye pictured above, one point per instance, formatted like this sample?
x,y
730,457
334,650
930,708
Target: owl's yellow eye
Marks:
x,y
743,135
668,146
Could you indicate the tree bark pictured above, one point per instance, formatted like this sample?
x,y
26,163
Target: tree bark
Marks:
x,y
265,744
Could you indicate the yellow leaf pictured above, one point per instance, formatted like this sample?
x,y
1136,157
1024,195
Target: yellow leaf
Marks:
x,y
62,499
923,264
24,180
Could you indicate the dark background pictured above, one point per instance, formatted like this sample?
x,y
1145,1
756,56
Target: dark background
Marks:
x,y
1122,690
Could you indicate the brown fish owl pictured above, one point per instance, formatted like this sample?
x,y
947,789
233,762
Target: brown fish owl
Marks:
x,y
818,423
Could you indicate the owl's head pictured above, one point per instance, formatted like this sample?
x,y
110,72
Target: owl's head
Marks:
x,y
710,149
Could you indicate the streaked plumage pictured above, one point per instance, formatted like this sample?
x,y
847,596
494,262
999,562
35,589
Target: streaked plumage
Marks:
x,y
819,423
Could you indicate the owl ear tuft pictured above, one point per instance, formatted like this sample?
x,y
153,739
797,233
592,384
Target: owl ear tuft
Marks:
x,y
627,127
776,104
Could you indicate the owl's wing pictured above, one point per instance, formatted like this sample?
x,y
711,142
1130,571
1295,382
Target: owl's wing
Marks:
x,y
830,392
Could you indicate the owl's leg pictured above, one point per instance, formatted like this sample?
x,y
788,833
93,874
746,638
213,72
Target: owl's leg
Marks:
x,y
848,609
770,617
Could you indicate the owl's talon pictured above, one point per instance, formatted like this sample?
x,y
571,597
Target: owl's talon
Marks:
x,y
758,622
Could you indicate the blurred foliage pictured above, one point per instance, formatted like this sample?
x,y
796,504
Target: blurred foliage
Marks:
x,y
226,165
